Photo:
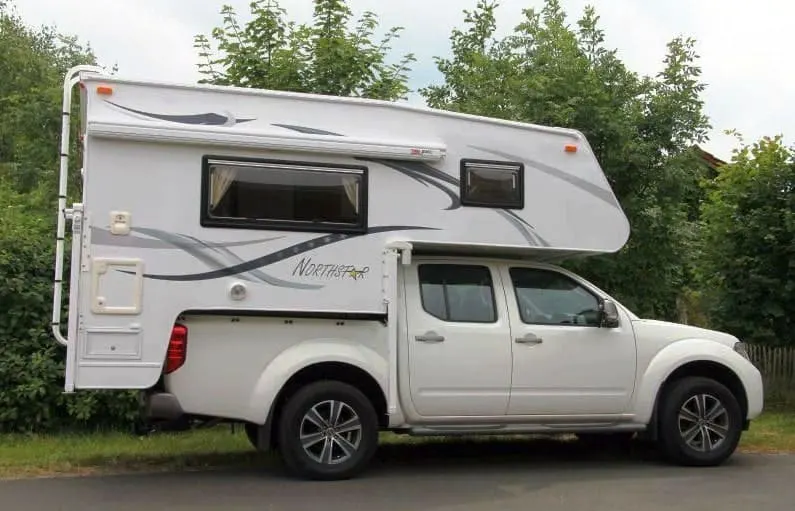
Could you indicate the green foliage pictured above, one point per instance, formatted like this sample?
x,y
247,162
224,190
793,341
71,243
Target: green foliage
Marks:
x,y
31,362
325,57
748,253
641,129
32,64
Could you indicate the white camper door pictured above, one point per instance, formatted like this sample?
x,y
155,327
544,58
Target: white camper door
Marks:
x,y
459,341
105,303
110,336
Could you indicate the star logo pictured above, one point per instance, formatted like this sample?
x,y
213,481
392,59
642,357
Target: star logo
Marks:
x,y
356,274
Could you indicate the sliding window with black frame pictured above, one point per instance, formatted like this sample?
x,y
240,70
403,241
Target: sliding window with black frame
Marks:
x,y
283,195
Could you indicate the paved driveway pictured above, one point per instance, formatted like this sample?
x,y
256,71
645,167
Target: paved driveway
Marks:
x,y
449,478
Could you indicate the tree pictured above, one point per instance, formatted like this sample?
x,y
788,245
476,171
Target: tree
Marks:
x,y
642,130
748,254
32,64
326,57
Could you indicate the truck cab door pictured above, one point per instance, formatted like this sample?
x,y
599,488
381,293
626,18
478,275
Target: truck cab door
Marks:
x,y
564,363
459,339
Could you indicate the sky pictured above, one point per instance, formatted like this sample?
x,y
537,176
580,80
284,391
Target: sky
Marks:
x,y
744,46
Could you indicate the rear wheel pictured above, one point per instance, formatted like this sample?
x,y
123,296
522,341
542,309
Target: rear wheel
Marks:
x,y
328,430
700,422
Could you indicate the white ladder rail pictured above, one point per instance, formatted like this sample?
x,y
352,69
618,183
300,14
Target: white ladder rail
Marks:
x,y
71,79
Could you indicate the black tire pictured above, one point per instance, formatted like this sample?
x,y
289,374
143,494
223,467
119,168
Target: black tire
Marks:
x,y
298,461
671,437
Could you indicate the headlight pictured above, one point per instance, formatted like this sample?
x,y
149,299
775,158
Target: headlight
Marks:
x,y
740,348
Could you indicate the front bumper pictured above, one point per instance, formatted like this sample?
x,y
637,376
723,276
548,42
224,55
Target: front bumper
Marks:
x,y
755,391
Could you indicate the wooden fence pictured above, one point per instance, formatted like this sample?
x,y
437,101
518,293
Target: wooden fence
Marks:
x,y
777,365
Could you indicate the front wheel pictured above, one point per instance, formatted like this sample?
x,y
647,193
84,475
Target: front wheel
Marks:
x,y
328,430
700,422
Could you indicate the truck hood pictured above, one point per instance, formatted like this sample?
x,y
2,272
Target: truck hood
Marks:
x,y
665,332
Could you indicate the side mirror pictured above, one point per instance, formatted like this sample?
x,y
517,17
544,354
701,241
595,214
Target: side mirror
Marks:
x,y
609,314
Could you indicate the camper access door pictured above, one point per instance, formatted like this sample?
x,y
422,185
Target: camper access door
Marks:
x,y
105,302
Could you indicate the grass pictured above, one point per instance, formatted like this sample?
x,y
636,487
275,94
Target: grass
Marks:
x,y
771,432
42,455
220,447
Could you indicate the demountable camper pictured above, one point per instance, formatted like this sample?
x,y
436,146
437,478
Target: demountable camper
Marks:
x,y
235,245
187,189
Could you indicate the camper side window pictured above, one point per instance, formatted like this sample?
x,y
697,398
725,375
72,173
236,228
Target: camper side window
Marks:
x,y
492,184
272,194
457,292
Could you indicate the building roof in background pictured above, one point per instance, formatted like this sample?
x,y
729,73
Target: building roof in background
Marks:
x,y
711,160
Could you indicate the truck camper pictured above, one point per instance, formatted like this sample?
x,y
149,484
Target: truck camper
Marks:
x,y
322,269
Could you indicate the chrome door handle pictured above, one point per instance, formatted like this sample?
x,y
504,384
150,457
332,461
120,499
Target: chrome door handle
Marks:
x,y
529,339
429,337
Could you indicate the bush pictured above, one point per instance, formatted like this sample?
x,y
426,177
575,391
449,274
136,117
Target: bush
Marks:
x,y
31,362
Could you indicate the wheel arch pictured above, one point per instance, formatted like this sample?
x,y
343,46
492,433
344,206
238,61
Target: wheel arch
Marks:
x,y
712,370
693,357
331,370
311,360
704,368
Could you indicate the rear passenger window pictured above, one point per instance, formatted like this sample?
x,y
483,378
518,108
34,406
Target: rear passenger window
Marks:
x,y
457,293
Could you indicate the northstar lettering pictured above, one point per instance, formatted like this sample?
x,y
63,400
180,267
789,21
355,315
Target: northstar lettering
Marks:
x,y
306,268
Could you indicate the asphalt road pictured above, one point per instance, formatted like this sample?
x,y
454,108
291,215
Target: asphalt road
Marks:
x,y
413,479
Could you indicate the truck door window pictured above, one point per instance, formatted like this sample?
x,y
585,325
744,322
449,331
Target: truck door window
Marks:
x,y
457,293
551,298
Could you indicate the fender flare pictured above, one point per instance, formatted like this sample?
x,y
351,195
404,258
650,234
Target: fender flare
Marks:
x,y
305,354
676,355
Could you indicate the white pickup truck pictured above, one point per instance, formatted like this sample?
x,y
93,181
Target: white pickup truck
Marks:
x,y
485,346
323,269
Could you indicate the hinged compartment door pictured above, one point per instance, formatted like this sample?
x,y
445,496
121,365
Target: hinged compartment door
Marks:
x,y
116,286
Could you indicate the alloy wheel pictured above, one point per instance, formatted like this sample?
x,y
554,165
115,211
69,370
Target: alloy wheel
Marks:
x,y
703,422
330,432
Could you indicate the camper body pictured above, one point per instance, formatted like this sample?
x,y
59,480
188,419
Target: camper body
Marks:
x,y
322,269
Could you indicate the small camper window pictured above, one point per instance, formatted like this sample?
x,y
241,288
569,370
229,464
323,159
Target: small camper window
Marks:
x,y
492,184
268,194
